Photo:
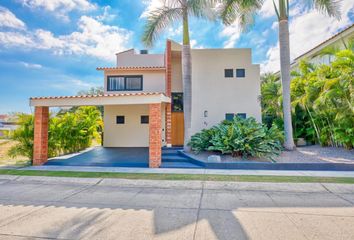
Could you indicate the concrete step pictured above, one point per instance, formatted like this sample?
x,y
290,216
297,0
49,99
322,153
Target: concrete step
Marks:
x,y
176,158
178,165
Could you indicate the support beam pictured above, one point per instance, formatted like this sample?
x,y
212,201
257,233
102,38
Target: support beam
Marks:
x,y
40,143
155,135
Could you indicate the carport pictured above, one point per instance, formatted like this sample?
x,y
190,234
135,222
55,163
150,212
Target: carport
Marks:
x,y
154,100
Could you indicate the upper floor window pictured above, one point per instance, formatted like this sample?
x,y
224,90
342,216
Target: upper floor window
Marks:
x,y
229,73
240,72
125,83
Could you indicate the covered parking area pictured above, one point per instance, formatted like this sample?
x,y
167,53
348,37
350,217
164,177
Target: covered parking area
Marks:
x,y
154,100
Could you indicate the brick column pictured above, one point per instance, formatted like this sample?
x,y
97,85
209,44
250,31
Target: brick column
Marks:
x,y
40,144
168,65
168,58
168,124
155,131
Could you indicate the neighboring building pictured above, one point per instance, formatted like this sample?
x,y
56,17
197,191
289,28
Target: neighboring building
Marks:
x,y
143,97
7,124
339,41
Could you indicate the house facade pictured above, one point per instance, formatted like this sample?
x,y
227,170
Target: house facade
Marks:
x,y
338,41
143,97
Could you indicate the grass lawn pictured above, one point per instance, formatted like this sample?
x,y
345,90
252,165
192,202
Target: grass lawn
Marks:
x,y
151,176
5,159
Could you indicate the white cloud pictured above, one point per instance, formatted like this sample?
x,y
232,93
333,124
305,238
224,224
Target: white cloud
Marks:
x,y
31,65
93,38
60,8
8,19
152,5
267,9
10,39
106,16
233,33
272,62
306,33
60,5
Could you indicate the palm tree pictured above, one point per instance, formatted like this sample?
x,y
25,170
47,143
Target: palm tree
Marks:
x,y
231,12
329,7
158,20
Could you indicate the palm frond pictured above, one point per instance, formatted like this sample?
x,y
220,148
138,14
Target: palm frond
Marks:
x,y
239,10
157,21
329,7
202,8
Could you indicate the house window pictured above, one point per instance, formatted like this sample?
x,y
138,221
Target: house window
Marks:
x,y
240,72
144,119
120,119
229,73
229,116
177,102
125,83
242,115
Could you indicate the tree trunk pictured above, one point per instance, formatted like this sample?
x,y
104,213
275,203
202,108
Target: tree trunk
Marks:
x,y
187,81
285,79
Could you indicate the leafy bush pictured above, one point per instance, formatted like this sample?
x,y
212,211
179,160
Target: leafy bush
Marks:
x,y
67,133
240,137
322,101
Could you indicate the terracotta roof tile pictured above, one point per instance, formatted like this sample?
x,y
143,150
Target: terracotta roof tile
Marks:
x,y
133,68
101,95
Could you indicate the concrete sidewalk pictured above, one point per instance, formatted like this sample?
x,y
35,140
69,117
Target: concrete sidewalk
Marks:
x,y
94,208
193,171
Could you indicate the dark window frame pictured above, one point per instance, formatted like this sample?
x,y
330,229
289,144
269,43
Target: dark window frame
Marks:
x,y
172,102
229,114
120,117
143,119
228,71
241,115
242,75
125,82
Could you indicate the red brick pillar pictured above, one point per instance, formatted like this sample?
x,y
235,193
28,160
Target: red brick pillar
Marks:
x,y
155,131
168,124
40,144
168,59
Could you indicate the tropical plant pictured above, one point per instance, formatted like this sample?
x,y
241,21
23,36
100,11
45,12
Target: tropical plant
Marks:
x,y
67,133
158,20
23,135
271,100
329,7
322,101
240,137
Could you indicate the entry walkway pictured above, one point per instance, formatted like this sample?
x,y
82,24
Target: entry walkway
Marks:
x,y
193,171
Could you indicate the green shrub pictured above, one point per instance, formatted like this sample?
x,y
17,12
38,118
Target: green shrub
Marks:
x,y
240,137
67,132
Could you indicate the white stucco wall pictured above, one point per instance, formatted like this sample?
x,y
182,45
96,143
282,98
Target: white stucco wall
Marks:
x,y
131,59
132,133
153,81
218,95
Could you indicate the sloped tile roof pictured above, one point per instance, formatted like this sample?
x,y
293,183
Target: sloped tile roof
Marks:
x,y
132,68
100,95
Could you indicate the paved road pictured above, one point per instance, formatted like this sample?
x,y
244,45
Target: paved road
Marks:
x,y
69,208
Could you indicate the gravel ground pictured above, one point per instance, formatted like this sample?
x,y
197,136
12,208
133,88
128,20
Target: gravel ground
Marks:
x,y
309,154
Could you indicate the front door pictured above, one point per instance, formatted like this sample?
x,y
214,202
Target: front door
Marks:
x,y
177,120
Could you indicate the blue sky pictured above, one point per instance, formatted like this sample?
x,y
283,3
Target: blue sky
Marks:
x,y
53,47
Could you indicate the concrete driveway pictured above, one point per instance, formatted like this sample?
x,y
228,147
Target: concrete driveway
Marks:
x,y
74,208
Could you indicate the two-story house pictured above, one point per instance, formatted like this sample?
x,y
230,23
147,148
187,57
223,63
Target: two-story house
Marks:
x,y
143,97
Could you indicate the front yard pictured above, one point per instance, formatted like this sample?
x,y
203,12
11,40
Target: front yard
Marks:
x,y
5,159
308,154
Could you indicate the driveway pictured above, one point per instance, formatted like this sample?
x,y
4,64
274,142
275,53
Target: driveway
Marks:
x,y
74,208
106,157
